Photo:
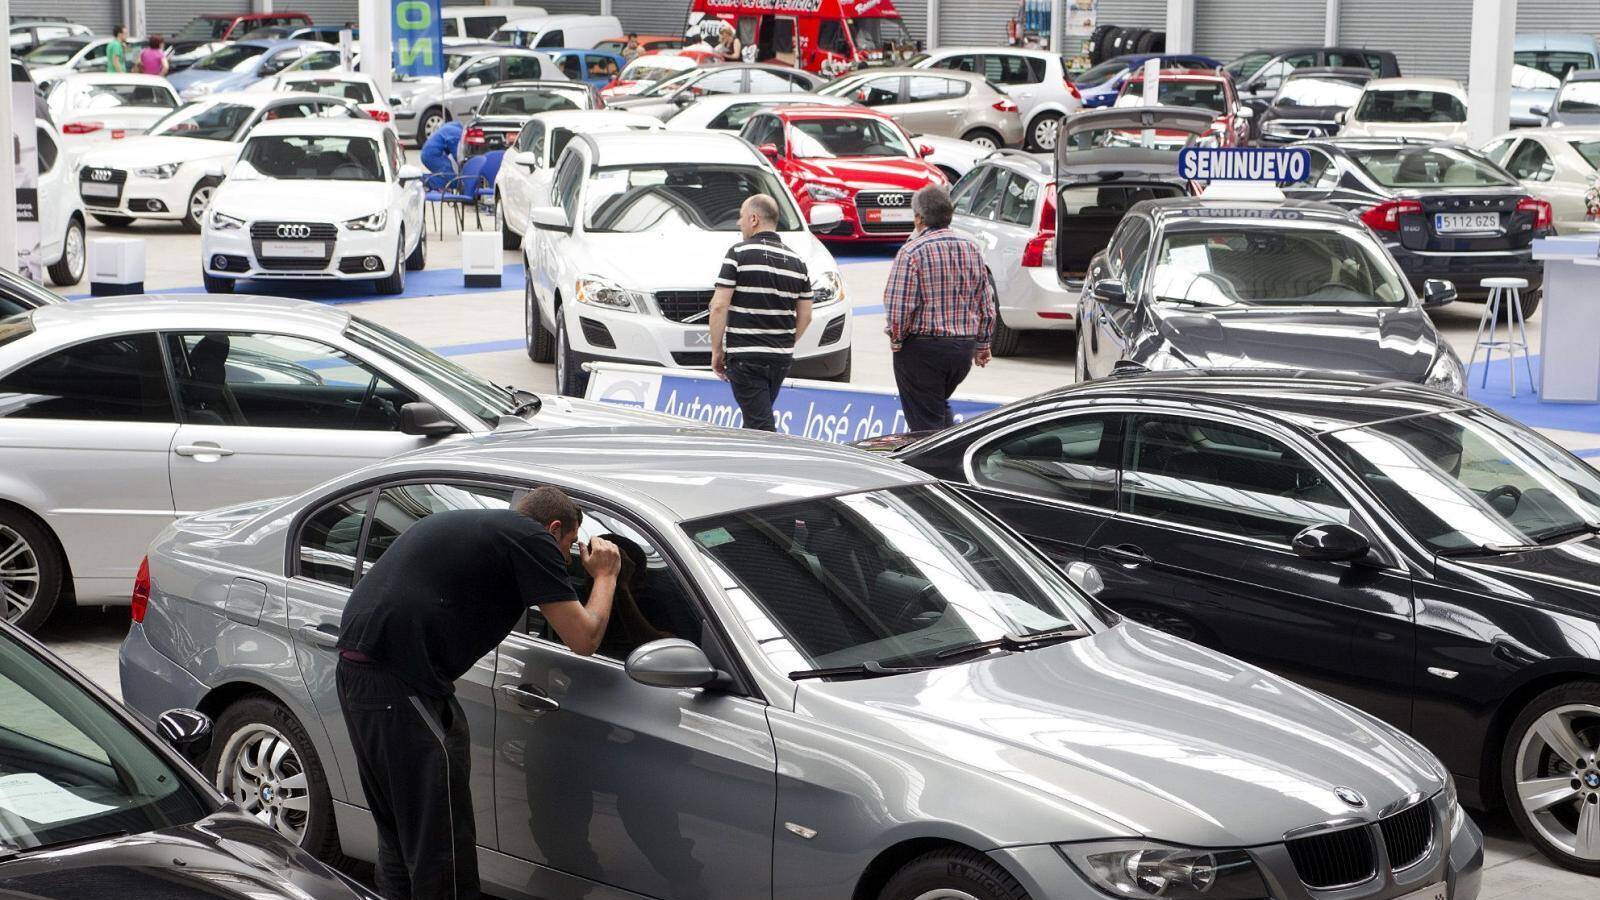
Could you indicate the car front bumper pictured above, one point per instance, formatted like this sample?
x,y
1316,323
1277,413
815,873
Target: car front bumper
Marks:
x,y
1467,270
147,198
1038,302
346,260
598,334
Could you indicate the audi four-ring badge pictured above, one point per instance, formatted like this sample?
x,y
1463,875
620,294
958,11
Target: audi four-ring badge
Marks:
x,y
316,199
858,160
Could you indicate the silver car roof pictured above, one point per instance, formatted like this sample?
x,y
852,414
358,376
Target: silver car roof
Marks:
x,y
68,322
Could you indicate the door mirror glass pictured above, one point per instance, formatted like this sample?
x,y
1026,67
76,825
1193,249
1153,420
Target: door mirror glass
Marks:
x,y
1330,542
672,663
1244,112
409,172
824,216
1112,292
1540,111
549,217
527,159
425,419
1086,577
923,150
186,730
1437,292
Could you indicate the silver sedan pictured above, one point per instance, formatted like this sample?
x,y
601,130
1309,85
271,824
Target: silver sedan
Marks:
x,y
827,676
118,415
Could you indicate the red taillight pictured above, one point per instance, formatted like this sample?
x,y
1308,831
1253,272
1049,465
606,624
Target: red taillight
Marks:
x,y
1386,216
81,127
1034,253
378,115
118,135
1073,89
1543,216
474,136
1005,106
141,590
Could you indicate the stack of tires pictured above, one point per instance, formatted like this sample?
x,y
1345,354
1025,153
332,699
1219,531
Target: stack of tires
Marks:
x,y
1109,41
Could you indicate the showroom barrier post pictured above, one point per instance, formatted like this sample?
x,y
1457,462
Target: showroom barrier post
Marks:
x,y
116,266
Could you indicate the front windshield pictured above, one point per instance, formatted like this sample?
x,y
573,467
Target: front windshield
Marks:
x,y
354,91
845,138
473,393
526,103
1202,94
1421,167
1309,92
232,58
72,770
1557,63
54,53
1579,97
891,576
202,28
317,158
1287,264
1471,481
679,197
1247,65
872,35
1411,107
208,121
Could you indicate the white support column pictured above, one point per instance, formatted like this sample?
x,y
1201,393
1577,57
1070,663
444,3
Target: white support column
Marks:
x,y
133,16
8,158
1180,26
1330,25
376,42
605,7
933,25
1058,26
1489,85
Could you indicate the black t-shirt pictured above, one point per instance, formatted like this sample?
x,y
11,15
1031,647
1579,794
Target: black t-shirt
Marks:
x,y
449,590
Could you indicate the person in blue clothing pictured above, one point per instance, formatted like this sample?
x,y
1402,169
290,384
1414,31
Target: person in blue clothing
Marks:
x,y
439,153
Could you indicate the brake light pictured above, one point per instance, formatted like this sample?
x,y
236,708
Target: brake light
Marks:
x,y
141,590
1543,216
1040,249
474,135
1072,89
1005,106
1386,215
378,115
118,135
81,127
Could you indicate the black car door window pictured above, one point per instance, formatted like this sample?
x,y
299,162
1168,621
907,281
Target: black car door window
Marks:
x,y
117,379
330,539
1223,478
557,38
1531,162
966,191
1060,459
961,62
650,601
1128,253
402,506
1017,198
987,200
880,91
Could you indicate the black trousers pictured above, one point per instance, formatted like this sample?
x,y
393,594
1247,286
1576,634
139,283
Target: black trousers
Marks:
x,y
755,384
412,755
927,370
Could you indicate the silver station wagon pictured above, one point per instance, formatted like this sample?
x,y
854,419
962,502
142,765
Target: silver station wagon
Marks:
x,y
828,676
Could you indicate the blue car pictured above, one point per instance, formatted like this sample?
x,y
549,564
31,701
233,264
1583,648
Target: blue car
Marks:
x,y
238,65
1100,84
596,67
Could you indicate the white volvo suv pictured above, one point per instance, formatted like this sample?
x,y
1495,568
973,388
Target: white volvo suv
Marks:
x,y
621,266
317,199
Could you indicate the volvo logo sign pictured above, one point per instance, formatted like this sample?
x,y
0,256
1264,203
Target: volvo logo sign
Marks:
x,y
1350,796
294,231
100,174
893,199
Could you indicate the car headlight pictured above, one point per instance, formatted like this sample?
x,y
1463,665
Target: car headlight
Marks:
x,y
374,222
827,289
1455,816
1136,868
599,292
222,222
1276,127
1447,374
401,102
163,171
826,193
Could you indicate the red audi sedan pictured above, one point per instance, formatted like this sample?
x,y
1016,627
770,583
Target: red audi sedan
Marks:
x,y
854,158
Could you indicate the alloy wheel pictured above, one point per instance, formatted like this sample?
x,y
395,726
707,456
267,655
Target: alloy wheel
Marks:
x,y
260,771
74,252
199,200
1046,131
985,141
945,894
561,353
19,575
1558,778
431,123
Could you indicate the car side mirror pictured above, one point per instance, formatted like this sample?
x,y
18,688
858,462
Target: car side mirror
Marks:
x,y
824,216
409,172
1540,111
924,151
425,420
770,151
1330,542
527,159
683,98
549,218
186,730
1244,112
1086,577
1342,116
216,170
1437,292
674,663
1111,291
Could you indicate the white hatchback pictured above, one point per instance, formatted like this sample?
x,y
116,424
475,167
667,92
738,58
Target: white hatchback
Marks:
x,y
622,262
1430,108
92,109
326,200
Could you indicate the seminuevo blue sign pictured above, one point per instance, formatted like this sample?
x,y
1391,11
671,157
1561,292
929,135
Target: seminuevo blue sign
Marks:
x,y
418,38
1279,165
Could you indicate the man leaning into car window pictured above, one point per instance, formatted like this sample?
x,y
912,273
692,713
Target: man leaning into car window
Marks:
x,y
446,593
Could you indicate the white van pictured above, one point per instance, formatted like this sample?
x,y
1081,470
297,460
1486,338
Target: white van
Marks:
x,y
474,24
576,31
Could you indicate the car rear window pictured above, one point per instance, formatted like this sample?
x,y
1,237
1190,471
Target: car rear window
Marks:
x,y
1397,167
1590,151
14,327
1411,107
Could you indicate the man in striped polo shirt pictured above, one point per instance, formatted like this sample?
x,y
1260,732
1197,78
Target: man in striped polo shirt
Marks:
x,y
761,307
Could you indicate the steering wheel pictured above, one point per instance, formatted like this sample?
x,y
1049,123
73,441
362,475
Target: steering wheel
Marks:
x,y
1504,490
391,416
921,603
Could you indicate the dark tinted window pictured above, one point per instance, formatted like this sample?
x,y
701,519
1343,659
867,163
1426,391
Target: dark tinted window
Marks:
x,y
965,194
520,67
1531,162
483,26
448,28
733,117
405,505
329,540
557,38
880,91
928,88
47,150
831,37
1060,459
115,379
965,62
1013,69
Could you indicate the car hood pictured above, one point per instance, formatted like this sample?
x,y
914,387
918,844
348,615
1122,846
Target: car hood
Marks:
x,y
676,260
871,173
154,150
226,855
1390,342
1560,576
1131,732
336,201
1436,131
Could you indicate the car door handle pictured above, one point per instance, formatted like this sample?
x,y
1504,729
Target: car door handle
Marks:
x,y
202,449
954,113
324,636
530,697
1126,555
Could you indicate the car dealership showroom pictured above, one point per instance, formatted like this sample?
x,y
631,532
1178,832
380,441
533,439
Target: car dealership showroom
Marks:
x,y
397,399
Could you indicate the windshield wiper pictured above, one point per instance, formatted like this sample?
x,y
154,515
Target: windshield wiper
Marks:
x,y
1579,530
869,669
530,405
58,845
1014,642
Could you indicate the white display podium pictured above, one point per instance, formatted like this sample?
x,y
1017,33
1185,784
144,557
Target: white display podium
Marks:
x,y
1569,333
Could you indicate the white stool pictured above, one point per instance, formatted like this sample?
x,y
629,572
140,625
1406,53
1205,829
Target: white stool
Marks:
x,y
1509,292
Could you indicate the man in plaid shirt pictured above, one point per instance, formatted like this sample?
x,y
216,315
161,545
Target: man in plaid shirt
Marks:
x,y
940,305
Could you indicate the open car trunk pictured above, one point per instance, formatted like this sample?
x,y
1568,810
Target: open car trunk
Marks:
x,y
1087,214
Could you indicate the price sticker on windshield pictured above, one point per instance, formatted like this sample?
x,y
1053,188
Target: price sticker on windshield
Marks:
x,y
1276,165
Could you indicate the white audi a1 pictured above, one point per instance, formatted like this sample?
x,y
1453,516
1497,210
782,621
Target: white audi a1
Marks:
x,y
319,199
170,173
621,266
